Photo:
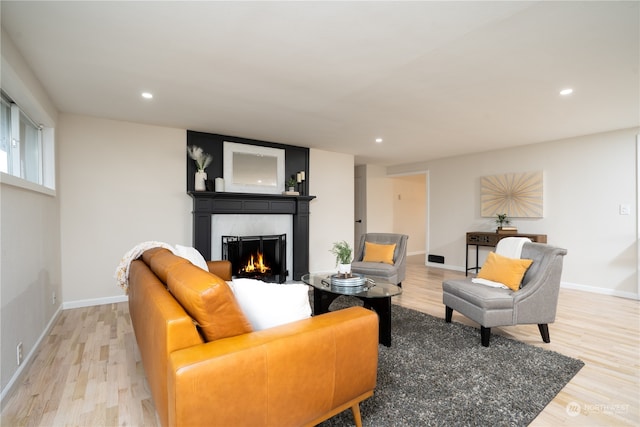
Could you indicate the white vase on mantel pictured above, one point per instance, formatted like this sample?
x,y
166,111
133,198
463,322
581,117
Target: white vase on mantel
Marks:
x,y
200,178
344,269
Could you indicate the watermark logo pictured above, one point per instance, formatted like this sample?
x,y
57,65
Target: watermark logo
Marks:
x,y
573,409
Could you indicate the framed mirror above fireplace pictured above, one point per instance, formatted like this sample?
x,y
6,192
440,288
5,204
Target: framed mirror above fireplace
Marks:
x,y
253,169
289,160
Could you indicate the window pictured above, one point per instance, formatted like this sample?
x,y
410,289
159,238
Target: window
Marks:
x,y
26,149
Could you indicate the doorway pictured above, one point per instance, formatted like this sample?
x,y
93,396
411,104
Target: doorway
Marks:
x,y
399,204
410,196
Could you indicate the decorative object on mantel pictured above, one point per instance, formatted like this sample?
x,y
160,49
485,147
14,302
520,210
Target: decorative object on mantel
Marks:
x,y
342,250
202,160
219,186
301,178
517,194
503,221
291,187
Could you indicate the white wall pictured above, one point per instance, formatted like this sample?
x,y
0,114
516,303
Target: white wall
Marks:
x,y
120,184
331,181
30,234
124,183
585,181
30,272
19,81
379,200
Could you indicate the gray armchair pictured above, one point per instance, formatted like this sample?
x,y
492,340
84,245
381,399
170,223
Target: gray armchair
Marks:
x,y
534,303
392,273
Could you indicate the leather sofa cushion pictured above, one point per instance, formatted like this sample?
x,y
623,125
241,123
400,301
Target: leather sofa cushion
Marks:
x,y
209,300
161,261
192,254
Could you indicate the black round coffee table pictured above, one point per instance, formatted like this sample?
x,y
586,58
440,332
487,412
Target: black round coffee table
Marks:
x,y
376,296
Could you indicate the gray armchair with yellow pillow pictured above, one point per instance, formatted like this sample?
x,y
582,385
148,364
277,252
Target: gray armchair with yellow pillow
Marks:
x,y
383,256
529,294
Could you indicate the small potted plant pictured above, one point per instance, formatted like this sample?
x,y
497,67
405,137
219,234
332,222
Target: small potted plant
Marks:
x,y
291,184
503,221
342,250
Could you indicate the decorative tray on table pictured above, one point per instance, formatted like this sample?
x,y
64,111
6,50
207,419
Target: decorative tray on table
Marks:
x,y
348,280
353,283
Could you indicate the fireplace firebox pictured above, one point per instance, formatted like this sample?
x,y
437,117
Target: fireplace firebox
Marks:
x,y
258,257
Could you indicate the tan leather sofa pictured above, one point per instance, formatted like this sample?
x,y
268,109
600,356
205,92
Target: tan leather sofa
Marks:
x,y
220,373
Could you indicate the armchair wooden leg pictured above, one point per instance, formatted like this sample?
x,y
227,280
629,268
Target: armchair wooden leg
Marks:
x,y
544,332
357,419
485,335
448,314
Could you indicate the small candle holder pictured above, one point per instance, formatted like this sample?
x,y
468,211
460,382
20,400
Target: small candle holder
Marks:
x,y
301,178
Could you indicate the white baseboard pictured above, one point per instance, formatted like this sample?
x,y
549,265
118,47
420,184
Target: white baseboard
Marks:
x,y
416,253
445,266
96,301
27,360
602,291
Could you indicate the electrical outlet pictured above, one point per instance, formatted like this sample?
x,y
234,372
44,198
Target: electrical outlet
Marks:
x,y
53,297
19,353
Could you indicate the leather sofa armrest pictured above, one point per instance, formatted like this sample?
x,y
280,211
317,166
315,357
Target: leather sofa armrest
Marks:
x,y
288,375
221,268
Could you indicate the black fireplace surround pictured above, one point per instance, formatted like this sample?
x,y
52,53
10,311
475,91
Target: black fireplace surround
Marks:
x,y
207,203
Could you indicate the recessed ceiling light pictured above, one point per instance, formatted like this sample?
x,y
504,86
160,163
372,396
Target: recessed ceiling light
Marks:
x,y
567,91
378,140
147,95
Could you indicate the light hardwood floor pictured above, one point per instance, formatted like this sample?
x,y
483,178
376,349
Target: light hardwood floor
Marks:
x,y
87,372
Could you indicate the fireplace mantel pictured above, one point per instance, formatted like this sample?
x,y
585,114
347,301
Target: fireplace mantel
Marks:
x,y
207,203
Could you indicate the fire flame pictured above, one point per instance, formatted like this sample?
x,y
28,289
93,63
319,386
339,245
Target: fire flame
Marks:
x,y
257,266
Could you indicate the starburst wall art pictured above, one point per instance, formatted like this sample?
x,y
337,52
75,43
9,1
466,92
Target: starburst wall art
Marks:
x,y
519,195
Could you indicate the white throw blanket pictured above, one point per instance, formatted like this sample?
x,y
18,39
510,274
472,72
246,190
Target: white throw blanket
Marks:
x,y
122,271
510,247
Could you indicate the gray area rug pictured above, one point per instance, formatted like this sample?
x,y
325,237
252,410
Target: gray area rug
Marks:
x,y
437,373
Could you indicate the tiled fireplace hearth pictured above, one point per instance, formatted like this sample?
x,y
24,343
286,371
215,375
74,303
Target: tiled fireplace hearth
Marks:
x,y
206,204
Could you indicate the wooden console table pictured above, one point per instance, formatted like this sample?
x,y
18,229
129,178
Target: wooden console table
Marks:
x,y
491,239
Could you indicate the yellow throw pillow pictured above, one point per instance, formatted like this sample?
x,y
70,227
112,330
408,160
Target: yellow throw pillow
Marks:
x,y
508,271
374,252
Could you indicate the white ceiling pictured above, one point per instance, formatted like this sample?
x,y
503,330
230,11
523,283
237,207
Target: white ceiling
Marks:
x,y
434,79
